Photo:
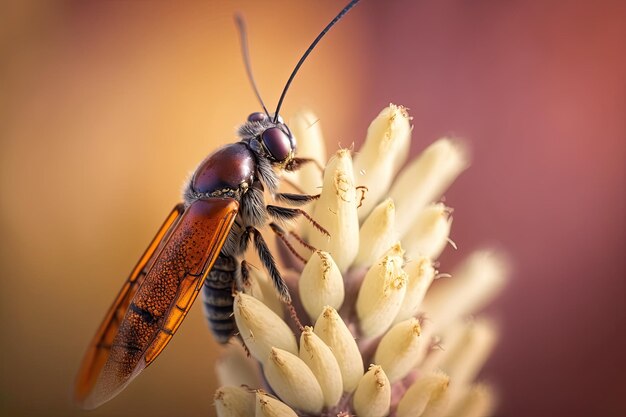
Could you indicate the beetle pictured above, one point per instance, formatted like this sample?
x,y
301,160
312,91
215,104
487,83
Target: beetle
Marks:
x,y
200,248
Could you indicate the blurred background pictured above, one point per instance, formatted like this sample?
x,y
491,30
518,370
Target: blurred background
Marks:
x,y
105,107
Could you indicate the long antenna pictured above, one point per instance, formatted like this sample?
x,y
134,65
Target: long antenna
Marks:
x,y
308,51
243,35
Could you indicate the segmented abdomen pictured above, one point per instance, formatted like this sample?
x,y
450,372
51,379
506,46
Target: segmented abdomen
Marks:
x,y
217,294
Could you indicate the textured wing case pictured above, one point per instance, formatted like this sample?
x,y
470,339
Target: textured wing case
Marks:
x,y
151,305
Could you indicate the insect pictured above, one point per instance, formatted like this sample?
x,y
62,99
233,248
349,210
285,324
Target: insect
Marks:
x,y
200,247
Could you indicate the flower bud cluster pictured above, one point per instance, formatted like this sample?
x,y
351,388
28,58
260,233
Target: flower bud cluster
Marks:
x,y
382,334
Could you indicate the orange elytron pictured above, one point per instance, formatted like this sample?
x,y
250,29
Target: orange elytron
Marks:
x,y
155,298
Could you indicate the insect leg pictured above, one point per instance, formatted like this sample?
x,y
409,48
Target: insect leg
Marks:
x,y
245,239
296,199
282,236
267,259
302,241
244,270
286,214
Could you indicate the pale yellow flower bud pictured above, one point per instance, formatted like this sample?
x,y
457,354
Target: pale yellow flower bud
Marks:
x,y
320,359
262,289
261,328
446,342
293,381
463,358
268,406
382,155
382,293
233,402
306,128
429,233
480,277
333,331
372,397
320,284
427,397
377,234
478,401
336,211
420,274
236,368
425,179
398,350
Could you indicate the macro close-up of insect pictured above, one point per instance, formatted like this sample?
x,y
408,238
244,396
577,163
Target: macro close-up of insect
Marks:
x,y
200,248
357,208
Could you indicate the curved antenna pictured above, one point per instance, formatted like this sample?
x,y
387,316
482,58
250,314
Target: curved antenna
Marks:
x,y
243,36
308,51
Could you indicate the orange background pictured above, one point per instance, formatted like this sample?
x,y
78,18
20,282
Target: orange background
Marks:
x,y
106,107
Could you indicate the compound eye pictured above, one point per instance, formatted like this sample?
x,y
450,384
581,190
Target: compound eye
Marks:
x,y
292,139
277,143
257,117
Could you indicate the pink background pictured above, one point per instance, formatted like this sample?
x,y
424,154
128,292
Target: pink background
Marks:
x,y
539,90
